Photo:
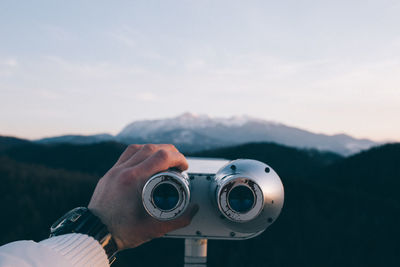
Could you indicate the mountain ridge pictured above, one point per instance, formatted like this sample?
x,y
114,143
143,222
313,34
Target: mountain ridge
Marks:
x,y
191,133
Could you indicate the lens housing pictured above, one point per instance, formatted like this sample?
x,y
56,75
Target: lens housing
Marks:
x,y
249,194
166,195
239,199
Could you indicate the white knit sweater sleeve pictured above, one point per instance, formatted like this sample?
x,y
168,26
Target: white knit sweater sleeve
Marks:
x,y
69,250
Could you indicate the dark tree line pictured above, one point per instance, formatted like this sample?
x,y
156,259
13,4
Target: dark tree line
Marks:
x,y
338,211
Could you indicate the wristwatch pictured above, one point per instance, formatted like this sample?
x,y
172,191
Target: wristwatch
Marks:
x,y
82,220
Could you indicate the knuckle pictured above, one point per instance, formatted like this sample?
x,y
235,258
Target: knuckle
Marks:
x,y
163,155
134,147
150,147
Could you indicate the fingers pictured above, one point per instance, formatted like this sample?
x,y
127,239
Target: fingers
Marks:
x,y
160,161
147,151
128,153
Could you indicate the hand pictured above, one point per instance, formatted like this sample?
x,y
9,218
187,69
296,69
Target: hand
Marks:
x,y
117,199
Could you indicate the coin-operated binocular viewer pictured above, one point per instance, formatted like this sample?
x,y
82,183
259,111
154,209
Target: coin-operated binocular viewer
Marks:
x,y
237,200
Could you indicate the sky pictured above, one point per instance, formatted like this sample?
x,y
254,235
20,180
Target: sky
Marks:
x,y
84,67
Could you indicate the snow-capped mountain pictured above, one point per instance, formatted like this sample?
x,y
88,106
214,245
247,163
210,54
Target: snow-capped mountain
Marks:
x,y
187,121
196,132
191,132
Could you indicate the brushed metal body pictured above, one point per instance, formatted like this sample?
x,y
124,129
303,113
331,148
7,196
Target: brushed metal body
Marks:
x,y
207,176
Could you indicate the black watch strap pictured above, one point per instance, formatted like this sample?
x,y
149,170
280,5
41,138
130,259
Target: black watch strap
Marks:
x,y
82,220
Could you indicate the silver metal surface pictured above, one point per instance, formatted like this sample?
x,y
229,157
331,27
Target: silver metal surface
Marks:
x,y
208,222
205,165
215,220
266,186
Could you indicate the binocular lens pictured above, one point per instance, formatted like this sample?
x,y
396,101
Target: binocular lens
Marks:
x,y
241,199
165,196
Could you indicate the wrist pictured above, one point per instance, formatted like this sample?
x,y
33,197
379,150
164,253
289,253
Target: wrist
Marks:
x,y
82,220
108,224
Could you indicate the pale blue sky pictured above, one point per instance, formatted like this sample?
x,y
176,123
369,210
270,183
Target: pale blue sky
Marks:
x,y
94,66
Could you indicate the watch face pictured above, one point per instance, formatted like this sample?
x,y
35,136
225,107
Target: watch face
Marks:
x,y
68,218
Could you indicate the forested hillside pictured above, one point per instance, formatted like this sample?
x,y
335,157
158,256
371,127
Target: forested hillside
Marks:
x,y
338,211
33,196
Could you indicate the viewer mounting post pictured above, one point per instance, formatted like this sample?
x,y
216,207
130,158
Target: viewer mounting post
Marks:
x,y
195,252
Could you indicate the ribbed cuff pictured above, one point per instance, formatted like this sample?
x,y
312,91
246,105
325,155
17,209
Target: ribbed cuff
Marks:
x,y
81,250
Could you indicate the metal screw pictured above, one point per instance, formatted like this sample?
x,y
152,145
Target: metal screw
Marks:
x,y
232,234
